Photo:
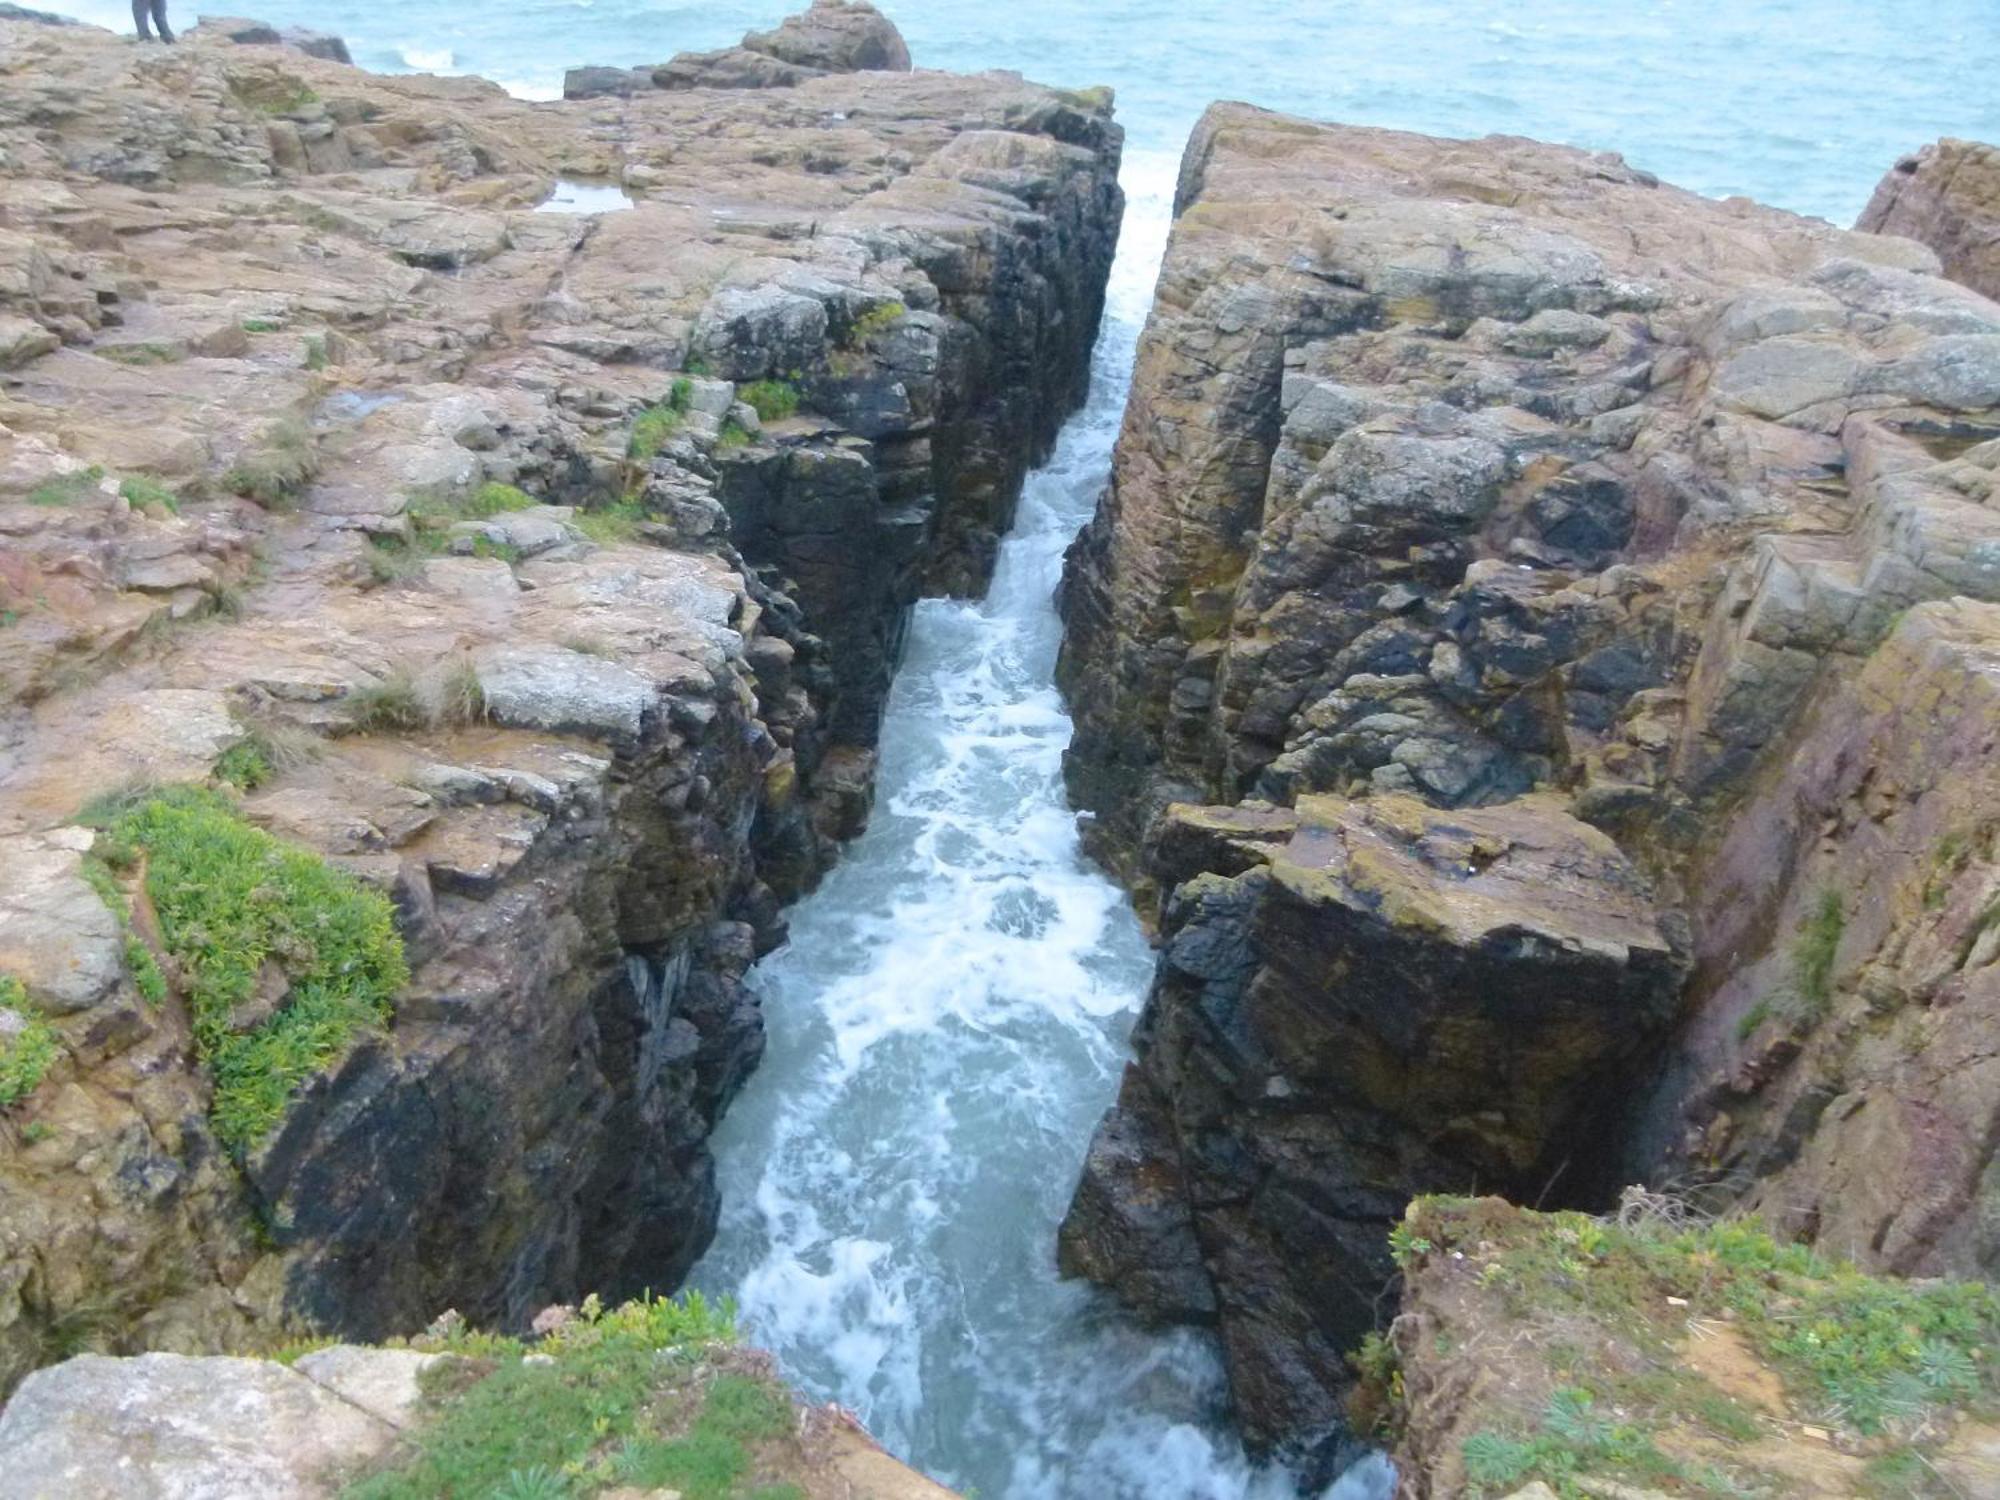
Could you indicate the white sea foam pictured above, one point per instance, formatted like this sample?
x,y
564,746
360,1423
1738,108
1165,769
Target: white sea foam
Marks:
x,y
426,59
946,1025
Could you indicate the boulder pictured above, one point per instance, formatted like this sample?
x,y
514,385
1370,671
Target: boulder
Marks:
x,y
167,1424
301,39
833,36
1946,196
600,83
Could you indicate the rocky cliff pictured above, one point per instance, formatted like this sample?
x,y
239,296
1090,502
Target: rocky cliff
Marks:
x,y
1525,597
1948,196
437,637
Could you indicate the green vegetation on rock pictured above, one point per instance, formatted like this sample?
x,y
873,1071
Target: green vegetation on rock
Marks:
x,y
245,765
67,489
1617,1388
147,976
655,429
273,472
770,399
652,1393
140,492
609,524
1814,950
141,354
282,960
28,1044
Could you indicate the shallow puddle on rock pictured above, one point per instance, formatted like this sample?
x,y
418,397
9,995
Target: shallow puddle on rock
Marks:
x,y
584,198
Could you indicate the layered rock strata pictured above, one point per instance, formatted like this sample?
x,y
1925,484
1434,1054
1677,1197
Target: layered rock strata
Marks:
x,y
1948,196
1500,479
1390,998
451,532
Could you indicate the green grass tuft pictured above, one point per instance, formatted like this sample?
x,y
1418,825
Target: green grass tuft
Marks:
x,y
245,765
770,399
1751,1019
1815,948
652,430
275,471
608,525
140,492
734,435
389,704
233,902
493,499
29,1046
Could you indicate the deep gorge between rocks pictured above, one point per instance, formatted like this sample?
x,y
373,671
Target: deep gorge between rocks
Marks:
x,y
944,1028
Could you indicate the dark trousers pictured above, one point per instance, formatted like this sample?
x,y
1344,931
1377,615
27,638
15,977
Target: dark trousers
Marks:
x,y
159,12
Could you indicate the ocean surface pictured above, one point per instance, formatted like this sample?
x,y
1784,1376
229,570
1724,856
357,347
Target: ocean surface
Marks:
x,y
951,1015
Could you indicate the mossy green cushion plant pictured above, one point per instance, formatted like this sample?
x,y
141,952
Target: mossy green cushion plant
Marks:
x,y
28,1044
233,904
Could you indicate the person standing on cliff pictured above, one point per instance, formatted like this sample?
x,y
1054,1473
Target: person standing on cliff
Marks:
x,y
159,12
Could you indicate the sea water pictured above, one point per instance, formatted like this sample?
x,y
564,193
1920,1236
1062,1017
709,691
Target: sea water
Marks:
x,y
950,1017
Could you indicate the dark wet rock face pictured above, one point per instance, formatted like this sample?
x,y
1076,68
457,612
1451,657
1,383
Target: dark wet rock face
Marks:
x,y
1490,530
1398,997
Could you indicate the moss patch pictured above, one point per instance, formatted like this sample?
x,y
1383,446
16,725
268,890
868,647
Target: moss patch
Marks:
x,y
67,489
248,918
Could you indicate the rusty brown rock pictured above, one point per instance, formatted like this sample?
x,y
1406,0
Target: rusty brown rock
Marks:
x,y
1948,197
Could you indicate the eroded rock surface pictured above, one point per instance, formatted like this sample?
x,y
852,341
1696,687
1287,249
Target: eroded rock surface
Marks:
x,y
1396,996
458,526
1500,479
833,36
1947,196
